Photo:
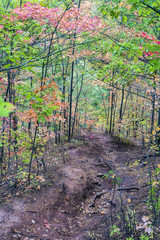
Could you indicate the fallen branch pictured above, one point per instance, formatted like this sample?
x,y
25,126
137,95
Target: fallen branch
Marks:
x,y
127,188
131,188
31,211
98,195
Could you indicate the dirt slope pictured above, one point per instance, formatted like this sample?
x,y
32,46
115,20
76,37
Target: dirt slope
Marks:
x,y
78,204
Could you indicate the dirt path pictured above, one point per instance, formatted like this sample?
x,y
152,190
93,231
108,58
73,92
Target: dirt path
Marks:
x,y
78,204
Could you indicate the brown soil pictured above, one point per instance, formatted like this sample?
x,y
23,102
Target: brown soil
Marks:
x,y
77,203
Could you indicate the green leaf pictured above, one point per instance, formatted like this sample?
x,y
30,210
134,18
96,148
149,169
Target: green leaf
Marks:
x,y
5,108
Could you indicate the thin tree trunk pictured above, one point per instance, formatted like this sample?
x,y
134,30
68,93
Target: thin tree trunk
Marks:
x,y
153,107
108,108
74,119
114,113
111,114
33,149
70,100
121,108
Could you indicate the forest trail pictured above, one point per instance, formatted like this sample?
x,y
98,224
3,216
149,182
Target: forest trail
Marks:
x,y
78,204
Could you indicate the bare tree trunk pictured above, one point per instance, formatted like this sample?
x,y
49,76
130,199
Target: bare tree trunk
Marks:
x,y
121,108
71,85
79,93
153,107
112,108
114,112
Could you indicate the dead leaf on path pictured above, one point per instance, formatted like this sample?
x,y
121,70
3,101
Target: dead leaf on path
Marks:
x,y
87,210
145,218
46,224
38,187
103,212
148,230
40,178
140,226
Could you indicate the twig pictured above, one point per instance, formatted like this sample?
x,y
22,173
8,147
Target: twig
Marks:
x,y
27,235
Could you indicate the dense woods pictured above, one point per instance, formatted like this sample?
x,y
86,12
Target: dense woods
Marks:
x,y
69,66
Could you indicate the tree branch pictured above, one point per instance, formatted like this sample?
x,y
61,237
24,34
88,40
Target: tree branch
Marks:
x,y
154,9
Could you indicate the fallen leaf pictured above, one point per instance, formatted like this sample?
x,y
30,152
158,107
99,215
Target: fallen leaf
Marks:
x,y
148,230
103,212
41,179
155,183
145,218
139,226
38,187
47,226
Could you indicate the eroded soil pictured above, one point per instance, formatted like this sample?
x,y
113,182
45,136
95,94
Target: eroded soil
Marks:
x,y
78,203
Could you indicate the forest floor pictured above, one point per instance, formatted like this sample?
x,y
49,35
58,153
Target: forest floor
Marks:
x,y
78,200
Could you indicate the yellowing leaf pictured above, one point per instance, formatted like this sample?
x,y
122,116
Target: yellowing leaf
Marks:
x,y
103,212
155,183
